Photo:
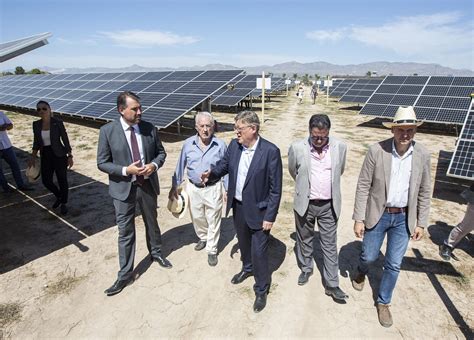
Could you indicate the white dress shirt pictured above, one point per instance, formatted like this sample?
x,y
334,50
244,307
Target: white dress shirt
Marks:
x,y
128,133
244,164
4,140
46,137
400,178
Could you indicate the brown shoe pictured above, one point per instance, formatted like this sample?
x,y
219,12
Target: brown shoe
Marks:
x,y
385,317
358,281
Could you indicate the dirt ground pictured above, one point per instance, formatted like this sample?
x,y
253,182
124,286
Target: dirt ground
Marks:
x,y
54,269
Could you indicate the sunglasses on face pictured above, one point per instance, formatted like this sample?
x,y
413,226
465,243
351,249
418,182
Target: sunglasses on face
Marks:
x,y
321,138
41,109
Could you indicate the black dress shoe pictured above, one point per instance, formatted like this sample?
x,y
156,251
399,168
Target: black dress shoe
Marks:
x,y
163,262
240,277
64,209
26,188
336,293
57,203
117,287
304,278
260,302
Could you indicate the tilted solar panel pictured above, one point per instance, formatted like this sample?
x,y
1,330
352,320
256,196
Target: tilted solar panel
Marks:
x,y
166,96
435,98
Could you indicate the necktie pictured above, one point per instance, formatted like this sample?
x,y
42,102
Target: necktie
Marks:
x,y
136,154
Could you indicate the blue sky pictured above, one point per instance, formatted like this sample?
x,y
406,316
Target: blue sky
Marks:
x,y
241,33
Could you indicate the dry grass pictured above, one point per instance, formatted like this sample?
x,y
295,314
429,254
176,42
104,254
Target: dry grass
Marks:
x,y
64,284
9,312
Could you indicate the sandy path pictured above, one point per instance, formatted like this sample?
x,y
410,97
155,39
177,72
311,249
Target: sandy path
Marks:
x,y
60,273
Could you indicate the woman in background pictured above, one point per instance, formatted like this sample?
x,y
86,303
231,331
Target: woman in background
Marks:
x,y
51,139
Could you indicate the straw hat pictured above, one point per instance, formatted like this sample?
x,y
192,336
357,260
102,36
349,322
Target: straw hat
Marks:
x,y
405,116
33,173
179,206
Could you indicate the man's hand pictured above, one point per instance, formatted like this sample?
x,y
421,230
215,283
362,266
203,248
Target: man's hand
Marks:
x,y
31,161
267,225
134,169
417,234
205,176
359,228
70,162
173,193
147,170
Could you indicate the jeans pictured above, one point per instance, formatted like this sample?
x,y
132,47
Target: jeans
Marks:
x,y
9,156
398,235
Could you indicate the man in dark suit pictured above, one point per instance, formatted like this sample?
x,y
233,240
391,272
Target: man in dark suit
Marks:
x,y
254,192
131,152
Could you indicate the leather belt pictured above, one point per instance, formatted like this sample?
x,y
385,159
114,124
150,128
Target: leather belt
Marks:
x,y
204,185
394,210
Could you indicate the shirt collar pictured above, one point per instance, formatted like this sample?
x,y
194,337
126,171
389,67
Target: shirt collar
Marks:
x,y
125,126
405,155
196,140
254,146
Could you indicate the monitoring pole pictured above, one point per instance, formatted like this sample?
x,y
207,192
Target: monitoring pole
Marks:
x,y
327,93
263,98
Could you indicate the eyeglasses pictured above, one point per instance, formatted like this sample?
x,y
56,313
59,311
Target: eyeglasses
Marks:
x,y
321,138
240,129
41,109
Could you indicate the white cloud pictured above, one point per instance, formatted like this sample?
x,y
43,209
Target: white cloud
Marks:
x,y
435,38
142,38
437,33
326,35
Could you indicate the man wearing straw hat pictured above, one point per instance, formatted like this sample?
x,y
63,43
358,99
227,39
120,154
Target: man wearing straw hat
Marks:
x,y
393,199
198,154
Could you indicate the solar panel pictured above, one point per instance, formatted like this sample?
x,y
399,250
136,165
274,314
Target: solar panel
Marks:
x,y
361,90
242,87
12,49
435,99
462,162
342,87
169,95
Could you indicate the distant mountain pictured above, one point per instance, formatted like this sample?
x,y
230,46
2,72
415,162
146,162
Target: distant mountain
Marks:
x,y
380,68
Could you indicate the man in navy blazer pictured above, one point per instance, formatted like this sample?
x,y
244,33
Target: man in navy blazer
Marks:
x,y
254,192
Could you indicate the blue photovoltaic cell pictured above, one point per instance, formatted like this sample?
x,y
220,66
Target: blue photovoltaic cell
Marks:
x,y
437,98
170,94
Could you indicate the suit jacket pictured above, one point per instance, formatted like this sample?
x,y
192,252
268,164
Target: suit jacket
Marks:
x,y
113,153
299,166
374,181
262,189
59,139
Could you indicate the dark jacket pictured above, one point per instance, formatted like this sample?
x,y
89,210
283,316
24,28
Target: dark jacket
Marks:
x,y
59,139
262,189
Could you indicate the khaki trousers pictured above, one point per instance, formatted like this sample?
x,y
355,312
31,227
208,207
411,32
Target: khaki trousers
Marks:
x,y
205,206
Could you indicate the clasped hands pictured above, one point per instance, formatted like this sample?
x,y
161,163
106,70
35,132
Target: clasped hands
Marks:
x,y
144,170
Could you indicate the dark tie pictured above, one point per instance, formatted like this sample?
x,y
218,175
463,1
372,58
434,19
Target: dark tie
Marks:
x,y
136,153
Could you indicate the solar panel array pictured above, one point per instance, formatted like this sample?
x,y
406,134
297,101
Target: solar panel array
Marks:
x,y
165,96
335,83
435,98
342,87
11,49
243,86
361,90
462,163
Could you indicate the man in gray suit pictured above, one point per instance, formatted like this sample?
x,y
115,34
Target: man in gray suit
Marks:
x,y
316,164
130,151
393,199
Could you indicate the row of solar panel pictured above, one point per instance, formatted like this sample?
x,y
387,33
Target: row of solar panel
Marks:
x,y
163,101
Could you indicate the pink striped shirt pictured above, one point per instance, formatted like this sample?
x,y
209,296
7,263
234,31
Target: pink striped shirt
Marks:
x,y
320,174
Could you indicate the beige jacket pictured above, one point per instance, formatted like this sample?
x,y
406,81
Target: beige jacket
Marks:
x,y
299,166
374,181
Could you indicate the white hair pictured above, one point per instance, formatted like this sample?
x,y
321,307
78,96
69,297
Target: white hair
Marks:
x,y
204,114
